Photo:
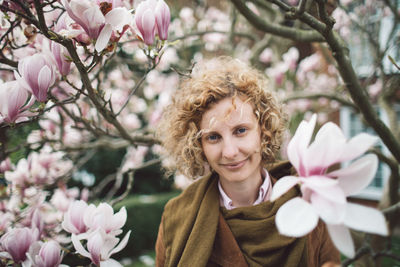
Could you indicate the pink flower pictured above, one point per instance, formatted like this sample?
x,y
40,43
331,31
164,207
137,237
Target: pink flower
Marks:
x,y
146,21
14,103
17,242
5,165
103,217
49,255
163,18
152,15
61,56
36,74
324,193
46,254
98,25
100,246
73,218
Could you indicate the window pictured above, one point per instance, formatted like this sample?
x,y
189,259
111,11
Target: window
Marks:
x,y
352,125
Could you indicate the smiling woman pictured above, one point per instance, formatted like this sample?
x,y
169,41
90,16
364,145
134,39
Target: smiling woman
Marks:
x,y
223,128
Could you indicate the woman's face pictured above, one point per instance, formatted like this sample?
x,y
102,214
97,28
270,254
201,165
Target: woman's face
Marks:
x,y
231,140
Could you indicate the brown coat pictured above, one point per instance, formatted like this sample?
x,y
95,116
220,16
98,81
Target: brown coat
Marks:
x,y
227,253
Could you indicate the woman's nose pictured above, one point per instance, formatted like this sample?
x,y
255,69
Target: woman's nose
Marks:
x,y
229,149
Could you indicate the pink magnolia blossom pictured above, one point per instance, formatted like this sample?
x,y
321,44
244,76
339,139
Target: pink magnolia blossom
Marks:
x,y
163,18
17,242
100,246
14,103
152,15
61,56
98,25
146,21
36,74
46,254
103,217
5,165
324,193
73,218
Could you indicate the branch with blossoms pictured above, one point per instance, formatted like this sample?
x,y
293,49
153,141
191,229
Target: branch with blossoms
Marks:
x,y
60,52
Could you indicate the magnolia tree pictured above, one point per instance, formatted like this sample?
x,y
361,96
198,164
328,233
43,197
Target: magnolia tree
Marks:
x,y
97,74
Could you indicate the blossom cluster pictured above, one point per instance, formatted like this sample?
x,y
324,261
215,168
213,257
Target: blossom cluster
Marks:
x,y
35,225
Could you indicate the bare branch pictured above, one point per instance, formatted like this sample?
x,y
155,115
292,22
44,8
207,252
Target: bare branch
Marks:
x,y
279,30
335,97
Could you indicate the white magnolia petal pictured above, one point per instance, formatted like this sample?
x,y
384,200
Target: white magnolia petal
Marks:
x,y
78,246
110,263
118,17
333,193
103,38
319,181
296,218
326,149
300,141
282,186
358,175
121,244
358,145
329,211
341,238
365,219
119,218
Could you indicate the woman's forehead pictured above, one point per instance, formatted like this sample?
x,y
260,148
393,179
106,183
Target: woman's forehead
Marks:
x,y
229,111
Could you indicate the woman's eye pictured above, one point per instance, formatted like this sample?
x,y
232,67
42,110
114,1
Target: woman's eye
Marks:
x,y
241,130
212,137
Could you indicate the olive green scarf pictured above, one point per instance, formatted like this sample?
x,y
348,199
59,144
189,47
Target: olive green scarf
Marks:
x,y
190,224
256,234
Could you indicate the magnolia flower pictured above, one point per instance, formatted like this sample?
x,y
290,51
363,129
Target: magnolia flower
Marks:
x,y
324,193
98,23
100,246
36,74
5,165
17,242
46,254
61,56
163,18
14,103
73,218
151,15
103,217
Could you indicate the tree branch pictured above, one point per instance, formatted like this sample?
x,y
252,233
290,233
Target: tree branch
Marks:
x,y
283,31
335,97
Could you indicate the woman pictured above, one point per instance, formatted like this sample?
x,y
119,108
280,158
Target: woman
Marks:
x,y
224,126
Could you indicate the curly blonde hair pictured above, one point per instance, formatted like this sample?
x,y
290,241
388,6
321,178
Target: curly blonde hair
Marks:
x,y
211,81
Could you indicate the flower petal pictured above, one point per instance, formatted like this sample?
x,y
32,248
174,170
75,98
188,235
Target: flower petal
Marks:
x,y
341,237
300,141
282,186
121,244
103,38
365,219
119,218
358,145
44,82
110,263
78,246
118,17
358,175
329,211
326,149
333,193
296,218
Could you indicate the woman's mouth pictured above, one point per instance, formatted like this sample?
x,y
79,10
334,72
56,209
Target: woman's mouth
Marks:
x,y
234,165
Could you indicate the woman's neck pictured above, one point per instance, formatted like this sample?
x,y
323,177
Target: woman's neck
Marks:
x,y
243,193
